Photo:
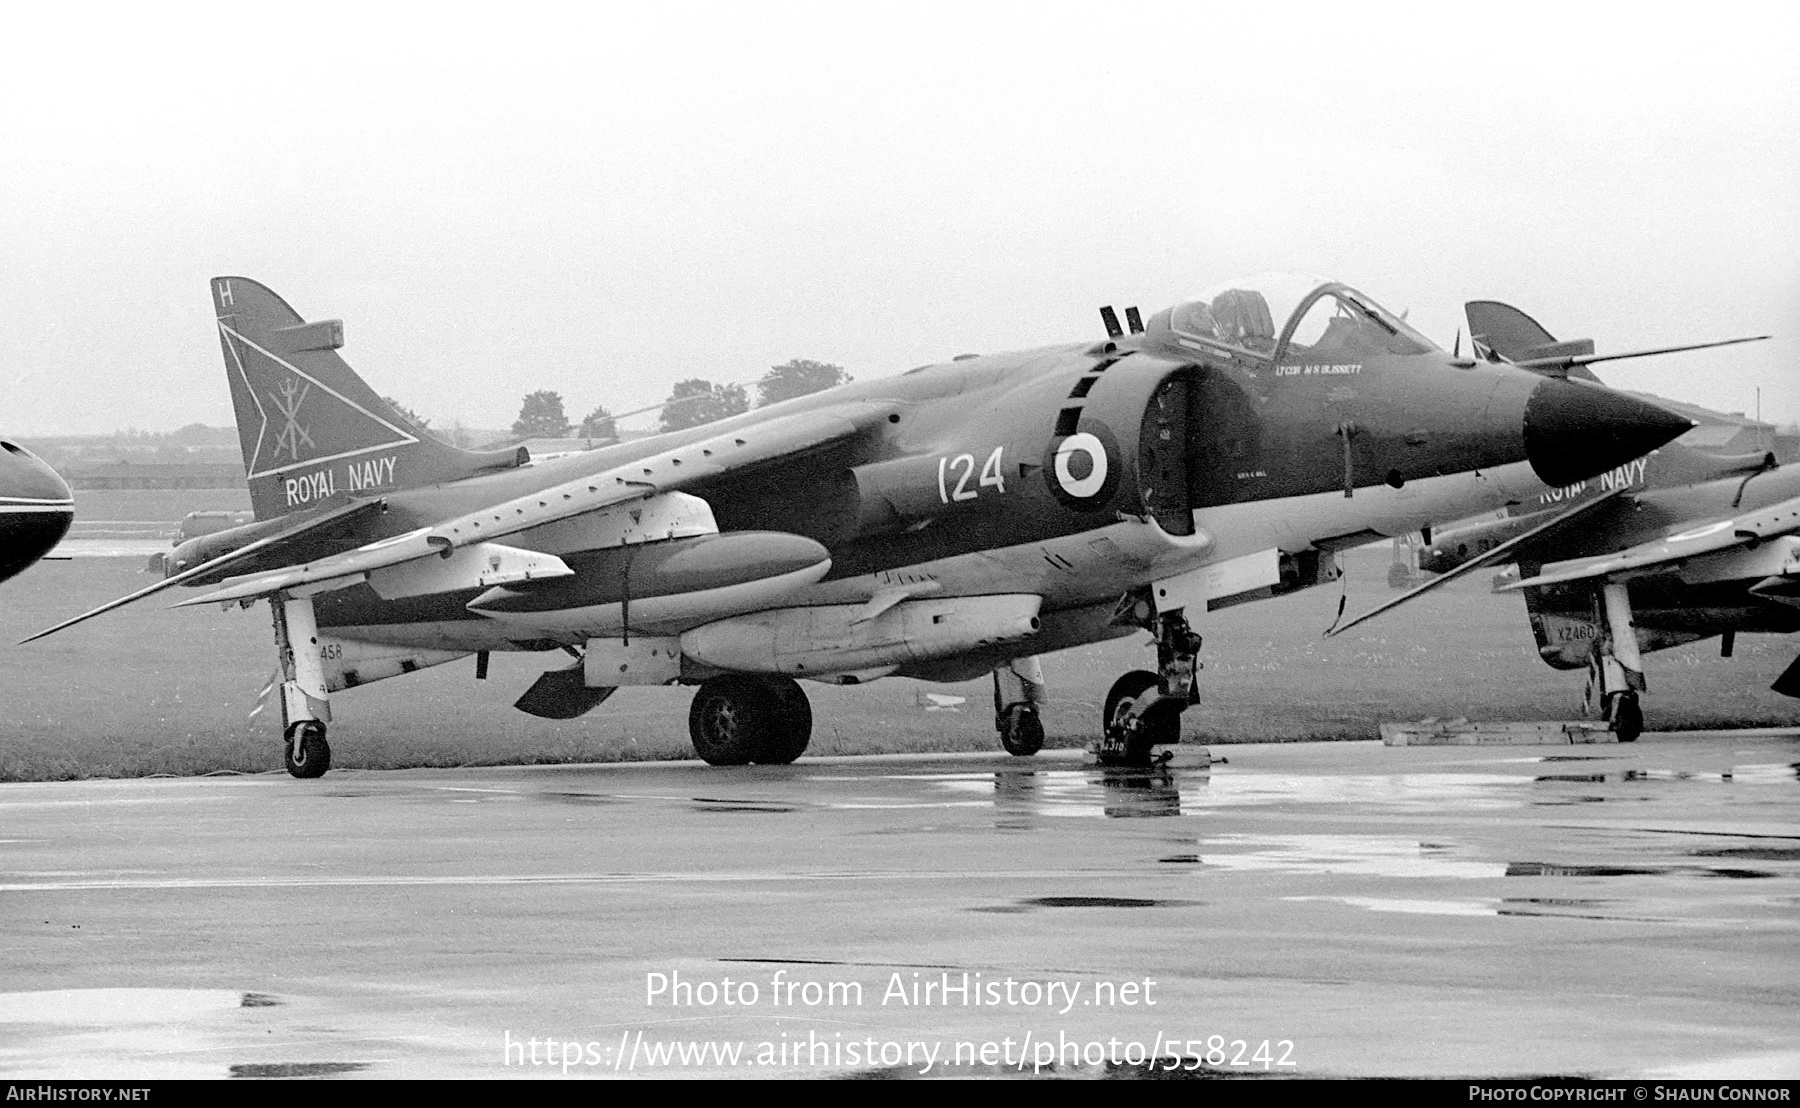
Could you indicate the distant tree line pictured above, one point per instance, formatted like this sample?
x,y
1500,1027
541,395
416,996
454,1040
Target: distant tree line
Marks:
x,y
691,403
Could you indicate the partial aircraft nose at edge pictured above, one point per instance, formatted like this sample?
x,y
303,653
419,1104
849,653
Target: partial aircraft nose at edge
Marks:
x,y
24,474
1575,429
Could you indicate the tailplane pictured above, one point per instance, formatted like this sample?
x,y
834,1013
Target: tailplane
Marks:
x,y
311,431
1515,336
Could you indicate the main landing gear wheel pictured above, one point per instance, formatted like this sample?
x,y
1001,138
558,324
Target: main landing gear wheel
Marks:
x,y
740,719
1625,715
1021,731
795,730
1155,728
305,751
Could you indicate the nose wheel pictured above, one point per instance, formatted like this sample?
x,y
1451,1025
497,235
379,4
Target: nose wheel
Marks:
x,y
1143,709
1136,718
307,752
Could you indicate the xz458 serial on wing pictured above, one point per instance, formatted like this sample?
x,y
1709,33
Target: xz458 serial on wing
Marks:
x,y
960,519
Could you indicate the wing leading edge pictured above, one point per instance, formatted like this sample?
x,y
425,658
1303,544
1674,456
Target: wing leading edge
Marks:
x,y
1705,539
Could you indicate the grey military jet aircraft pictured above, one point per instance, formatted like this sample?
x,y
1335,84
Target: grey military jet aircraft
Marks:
x,y
36,508
956,520
1668,549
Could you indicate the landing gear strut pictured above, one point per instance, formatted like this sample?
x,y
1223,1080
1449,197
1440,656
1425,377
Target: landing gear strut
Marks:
x,y
1143,710
305,707
1618,665
743,718
1018,696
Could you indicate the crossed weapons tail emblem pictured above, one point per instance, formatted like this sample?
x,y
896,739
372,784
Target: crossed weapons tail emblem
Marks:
x,y
291,394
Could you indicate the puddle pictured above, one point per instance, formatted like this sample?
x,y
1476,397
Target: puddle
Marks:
x,y
1767,773
1082,902
1409,907
577,798
1550,869
1437,793
1626,776
1566,908
1354,855
714,804
1752,853
1516,907
1071,794
296,1069
259,1000
1547,869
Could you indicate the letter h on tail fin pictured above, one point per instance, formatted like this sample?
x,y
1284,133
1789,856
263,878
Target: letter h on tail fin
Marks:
x,y
311,430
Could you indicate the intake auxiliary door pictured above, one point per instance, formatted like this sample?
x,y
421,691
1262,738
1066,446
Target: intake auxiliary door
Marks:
x,y
1163,449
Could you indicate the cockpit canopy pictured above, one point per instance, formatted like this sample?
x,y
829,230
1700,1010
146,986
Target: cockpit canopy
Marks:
x,y
1288,319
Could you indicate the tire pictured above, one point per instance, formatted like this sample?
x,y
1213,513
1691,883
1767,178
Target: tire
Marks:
x,y
1627,717
728,721
306,753
1128,687
740,719
1161,730
793,729
1022,732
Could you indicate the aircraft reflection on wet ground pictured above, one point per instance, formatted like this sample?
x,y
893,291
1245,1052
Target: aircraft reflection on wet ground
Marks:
x,y
1609,911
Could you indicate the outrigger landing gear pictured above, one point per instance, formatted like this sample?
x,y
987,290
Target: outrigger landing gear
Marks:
x,y
1143,710
1018,695
306,752
743,718
1618,665
305,708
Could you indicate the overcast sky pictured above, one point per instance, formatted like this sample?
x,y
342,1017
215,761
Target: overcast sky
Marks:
x,y
603,200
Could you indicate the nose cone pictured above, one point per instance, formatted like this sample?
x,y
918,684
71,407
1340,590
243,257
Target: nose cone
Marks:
x,y
1577,429
35,508
26,477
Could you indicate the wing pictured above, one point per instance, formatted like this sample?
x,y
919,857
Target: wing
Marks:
x,y
1755,544
397,566
300,540
1497,554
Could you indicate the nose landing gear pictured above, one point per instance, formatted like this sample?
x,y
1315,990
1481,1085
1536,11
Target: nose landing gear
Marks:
x,y
1143,709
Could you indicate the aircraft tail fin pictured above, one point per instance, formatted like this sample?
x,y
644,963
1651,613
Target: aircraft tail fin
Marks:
x,y
312,432
1517,337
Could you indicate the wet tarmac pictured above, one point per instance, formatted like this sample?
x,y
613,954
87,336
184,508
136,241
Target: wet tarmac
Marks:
x,y
1332,909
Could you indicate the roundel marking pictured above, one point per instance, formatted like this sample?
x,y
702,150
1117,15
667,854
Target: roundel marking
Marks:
x,y
1082,470
1081,485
